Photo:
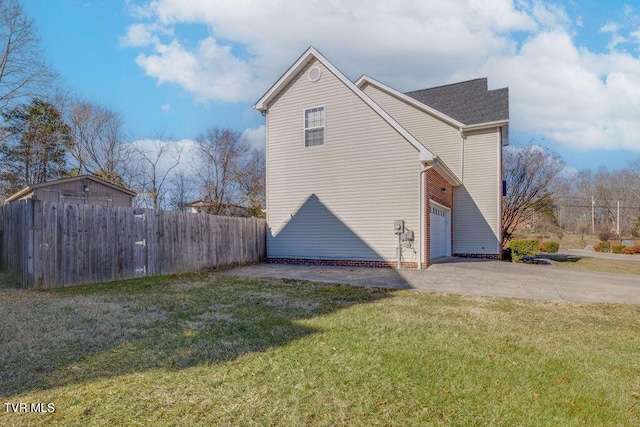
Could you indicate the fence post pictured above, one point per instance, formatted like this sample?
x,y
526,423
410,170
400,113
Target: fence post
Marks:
x,y
29,216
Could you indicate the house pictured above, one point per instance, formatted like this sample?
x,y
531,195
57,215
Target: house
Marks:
x,y
362,174
84,189
229,209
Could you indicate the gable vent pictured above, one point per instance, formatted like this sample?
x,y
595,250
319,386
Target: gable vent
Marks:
x,y
314,74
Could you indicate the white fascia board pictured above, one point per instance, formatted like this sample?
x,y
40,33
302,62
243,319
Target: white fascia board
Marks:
x,y
486,125
262,104
417,104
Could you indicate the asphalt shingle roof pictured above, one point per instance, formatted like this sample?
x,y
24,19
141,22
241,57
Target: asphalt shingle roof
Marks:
x,y
468,102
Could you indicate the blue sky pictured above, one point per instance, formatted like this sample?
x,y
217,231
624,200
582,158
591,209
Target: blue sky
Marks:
x,y
175,67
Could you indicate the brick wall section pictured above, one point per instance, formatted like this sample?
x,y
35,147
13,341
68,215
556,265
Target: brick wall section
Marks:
x,y
433,185
482,256
340,263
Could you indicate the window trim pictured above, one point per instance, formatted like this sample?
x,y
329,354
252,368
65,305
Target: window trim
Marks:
x,y
305,129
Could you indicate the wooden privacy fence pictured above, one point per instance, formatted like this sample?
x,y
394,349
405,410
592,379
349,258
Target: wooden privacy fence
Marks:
x,y
51,245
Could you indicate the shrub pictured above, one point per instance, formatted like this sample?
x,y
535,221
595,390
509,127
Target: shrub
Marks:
x,y
522,247
631,250
550,247
617,249
603,247
605,236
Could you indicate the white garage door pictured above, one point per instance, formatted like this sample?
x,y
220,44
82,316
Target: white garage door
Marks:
x,y
439,231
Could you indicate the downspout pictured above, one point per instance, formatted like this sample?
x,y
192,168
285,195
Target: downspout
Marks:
x,y
462,139
421,210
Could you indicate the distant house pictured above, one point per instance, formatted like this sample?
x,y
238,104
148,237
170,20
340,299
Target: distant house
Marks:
x,y
355,167
85,189
203,206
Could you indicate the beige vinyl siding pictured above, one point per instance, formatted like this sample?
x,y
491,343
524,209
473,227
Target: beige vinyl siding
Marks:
x,y
441,138
476,228
337,201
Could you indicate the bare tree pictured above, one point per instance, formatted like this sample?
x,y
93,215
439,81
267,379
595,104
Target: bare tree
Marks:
x,y
251,180
221,153
155,162
182,190
23,71
529,173
603,191
98,146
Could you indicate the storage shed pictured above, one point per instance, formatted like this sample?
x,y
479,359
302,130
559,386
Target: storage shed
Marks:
x,y
85,189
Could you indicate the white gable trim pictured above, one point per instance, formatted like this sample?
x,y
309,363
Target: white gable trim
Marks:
x,y
309,55
444,171
417,104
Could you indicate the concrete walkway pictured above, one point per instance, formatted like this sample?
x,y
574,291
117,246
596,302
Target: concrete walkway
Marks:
x,y
471,277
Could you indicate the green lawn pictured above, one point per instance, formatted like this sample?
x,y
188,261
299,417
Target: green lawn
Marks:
x,y
215,350
595,264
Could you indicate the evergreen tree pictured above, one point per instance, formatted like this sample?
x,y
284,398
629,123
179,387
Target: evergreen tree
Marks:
x,y
32,150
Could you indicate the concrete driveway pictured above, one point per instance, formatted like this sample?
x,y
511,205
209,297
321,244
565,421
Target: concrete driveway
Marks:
x,y
603,255
471,277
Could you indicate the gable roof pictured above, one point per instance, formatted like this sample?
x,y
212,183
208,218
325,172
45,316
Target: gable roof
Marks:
x,y
366,80
468,102
312,54
29,188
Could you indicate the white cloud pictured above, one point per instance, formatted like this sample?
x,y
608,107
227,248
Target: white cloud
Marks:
x,y
141,35
165,107
578,97
211,72
184,150
256,137
610,27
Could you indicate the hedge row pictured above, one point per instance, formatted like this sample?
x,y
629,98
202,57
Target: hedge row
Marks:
x,y
521,248
630,250
550,247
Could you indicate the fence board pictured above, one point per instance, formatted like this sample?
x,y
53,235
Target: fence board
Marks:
x,y
50,245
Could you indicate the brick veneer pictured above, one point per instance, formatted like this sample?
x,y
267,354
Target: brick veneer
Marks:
x,y
483,256
433,185
340,263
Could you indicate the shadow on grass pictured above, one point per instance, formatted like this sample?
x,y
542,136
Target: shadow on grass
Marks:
x,y
560,258
68,336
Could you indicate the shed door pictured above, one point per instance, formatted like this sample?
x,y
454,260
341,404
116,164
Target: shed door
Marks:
x,y
440,231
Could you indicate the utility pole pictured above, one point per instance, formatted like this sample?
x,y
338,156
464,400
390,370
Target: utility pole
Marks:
x,y
593,221
618,220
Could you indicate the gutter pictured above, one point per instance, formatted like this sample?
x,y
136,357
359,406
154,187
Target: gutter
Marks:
x,y
485,125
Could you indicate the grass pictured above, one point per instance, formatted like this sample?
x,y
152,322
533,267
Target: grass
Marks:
x,y
595,264
216,350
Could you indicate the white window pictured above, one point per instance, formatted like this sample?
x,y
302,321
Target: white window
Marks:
x,y
314,121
